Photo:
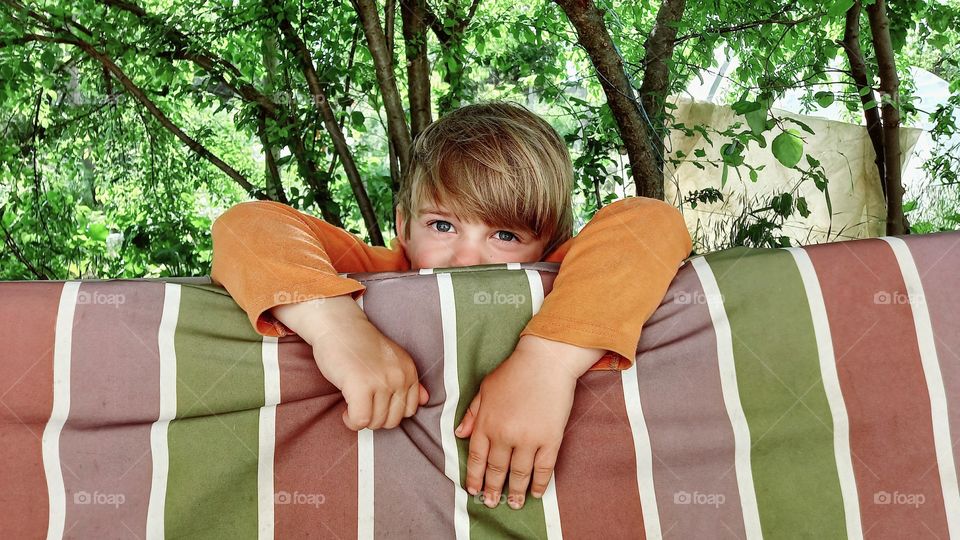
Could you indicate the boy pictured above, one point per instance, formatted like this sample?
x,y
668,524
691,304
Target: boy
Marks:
x,y
488,183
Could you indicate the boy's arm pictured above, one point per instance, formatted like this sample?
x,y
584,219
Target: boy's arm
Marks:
x,y
613,275
268,254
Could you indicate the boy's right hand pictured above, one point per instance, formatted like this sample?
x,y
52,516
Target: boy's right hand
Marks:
x,y
377,377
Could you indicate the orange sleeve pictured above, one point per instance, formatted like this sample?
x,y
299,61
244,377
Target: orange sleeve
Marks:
x,y
612,277
267,254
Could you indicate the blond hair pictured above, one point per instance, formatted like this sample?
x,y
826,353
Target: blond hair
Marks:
x,y
495,162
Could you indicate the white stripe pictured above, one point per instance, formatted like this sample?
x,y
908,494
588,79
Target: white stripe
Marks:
x,y
536,290
168,411
731,398
365,478
931,371
513,266
644,453
50,443
267,436
831,386
426,271
365,487
451,384
551,506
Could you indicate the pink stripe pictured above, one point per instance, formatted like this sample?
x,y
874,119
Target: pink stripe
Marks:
x,y
589,488
411,454
26,401
883,386
114,397
315,461
679,380
937,257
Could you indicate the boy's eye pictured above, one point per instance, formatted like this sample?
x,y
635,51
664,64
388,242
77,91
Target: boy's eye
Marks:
x,y
511,238
439,224
445,226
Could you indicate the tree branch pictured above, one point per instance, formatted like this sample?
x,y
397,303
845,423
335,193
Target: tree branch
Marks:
x,y
382,59
140,96
593,36
890,112
656,76
418,65
858,72
336,134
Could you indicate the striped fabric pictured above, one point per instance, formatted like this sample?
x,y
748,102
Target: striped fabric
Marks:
x,y
807,392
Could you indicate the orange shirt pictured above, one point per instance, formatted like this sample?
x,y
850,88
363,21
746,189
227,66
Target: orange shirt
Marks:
x,y
612,275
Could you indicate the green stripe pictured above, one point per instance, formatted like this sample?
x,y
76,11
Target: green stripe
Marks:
x,y
212,485
467,269
492,308
775,352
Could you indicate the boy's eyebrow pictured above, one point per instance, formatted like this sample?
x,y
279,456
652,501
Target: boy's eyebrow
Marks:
x,y
435,211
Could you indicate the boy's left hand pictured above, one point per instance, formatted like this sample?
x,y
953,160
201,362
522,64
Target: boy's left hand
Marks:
x,y
517,419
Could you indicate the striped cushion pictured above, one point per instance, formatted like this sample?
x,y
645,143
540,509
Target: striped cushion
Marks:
x,y
777,392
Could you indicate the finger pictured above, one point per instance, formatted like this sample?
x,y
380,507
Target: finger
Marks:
x,y
521,466
397,404
543,466
465,428
381,406
424,395
476,463
359,409
413,394
498,461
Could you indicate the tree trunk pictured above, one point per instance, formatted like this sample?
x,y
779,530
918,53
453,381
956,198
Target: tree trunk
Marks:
x,y
890,112
382,59
336,134
270,151
592,34
656,74
858,71
413,13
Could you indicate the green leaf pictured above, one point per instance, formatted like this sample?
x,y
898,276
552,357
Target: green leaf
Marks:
x,y
732,153
782,204
909,206
723,179
700,153
802,207
743,106
757,120
98,232
754,176
839,7
788,148
802,125
824,99
357,118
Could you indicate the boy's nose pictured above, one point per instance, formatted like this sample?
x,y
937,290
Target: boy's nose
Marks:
x,y
467,256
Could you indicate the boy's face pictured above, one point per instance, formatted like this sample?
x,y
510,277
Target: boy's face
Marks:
x,y
439,240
